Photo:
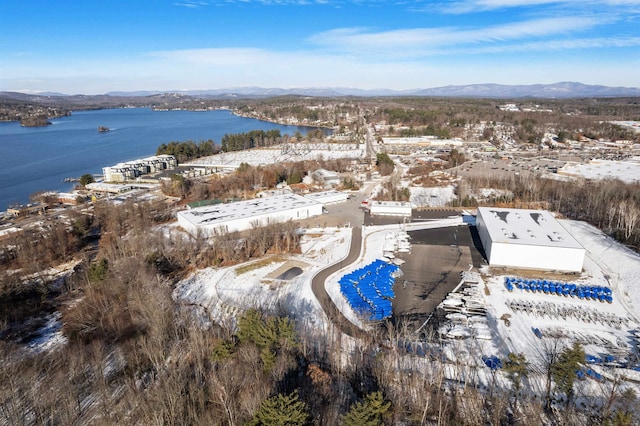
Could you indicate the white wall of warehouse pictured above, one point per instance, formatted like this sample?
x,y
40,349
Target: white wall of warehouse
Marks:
x,y
389,209
540,257
535,257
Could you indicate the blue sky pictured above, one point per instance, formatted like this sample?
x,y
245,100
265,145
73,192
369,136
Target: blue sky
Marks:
x,y
92,47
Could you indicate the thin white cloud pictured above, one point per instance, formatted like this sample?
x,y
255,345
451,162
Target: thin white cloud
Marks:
x,y
191,4
469,6
229,67
215,56
420,41
549,45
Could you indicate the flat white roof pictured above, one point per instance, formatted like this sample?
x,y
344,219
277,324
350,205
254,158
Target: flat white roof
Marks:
x,y
246,209
327,174
421,140
107,187
326,196
404,204
526,227
627,171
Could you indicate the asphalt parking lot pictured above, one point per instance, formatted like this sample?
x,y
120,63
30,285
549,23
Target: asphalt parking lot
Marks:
x,y
432,270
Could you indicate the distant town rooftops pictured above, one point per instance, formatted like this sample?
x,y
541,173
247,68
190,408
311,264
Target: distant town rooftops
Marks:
x,y
422,140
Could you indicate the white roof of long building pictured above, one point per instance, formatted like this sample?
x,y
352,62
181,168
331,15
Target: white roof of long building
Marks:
x,y
627,171
403,204
246,209
326,196
526,227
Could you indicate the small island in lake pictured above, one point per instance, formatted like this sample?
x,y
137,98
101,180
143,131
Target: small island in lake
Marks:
x,y
34,121
103,129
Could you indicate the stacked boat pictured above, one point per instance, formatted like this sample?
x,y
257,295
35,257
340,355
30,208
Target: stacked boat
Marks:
x,y
369,290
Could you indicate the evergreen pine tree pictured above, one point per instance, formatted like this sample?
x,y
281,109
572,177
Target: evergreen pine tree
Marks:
x,y
368,412
517,368
564,371
281,410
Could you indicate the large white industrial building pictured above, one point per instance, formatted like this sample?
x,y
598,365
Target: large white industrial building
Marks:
x,y
529,239
247,214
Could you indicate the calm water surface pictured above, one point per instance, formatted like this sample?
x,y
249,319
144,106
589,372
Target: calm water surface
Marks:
x,y
34,159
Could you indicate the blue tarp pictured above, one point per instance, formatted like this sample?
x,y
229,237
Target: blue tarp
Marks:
x,y
599,293
493,362
369,290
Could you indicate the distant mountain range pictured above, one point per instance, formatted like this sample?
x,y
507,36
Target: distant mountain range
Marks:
x,y
556,90
501,91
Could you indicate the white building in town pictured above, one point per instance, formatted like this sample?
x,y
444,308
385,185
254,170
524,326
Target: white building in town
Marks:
x,y
247,214
327,178
626,171
328,197
130,170
390,208
530,239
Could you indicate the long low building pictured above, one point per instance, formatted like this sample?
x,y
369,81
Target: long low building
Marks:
x,y
328,197
390,208
247,214
529,239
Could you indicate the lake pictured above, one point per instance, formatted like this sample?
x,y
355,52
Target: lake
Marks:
x,y
36,159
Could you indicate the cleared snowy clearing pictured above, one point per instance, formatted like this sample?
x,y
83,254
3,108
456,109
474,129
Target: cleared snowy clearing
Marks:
x,y
284,153
226,292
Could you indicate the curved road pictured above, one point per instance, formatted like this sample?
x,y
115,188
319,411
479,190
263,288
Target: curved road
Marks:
x,y
319,290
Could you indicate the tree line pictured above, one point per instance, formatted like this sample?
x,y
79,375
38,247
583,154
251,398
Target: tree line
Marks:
x,y
611,205
188,150
252,139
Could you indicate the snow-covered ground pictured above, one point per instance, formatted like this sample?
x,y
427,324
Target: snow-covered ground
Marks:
x,y
602,328
226,292
626,171
49,336
431,197
284,153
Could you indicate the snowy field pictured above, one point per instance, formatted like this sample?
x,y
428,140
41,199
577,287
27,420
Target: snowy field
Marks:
x,y
431,197
225,292
283,154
